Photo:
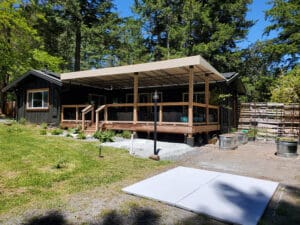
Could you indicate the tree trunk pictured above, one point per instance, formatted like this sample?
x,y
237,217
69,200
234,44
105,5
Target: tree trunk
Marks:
x,y
3,95
77,48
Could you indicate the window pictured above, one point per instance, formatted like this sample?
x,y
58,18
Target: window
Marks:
x,y
38,99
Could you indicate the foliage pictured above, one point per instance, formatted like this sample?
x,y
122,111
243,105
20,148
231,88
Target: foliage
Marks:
x,y
28,158
125,134
284,17
81,135
287,87
44,126
104,136
22,121
180,28
57,131
252,132
43,132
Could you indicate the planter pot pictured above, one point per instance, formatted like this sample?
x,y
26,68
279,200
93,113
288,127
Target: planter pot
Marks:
x,y
287,148
228,142
241,138
251,138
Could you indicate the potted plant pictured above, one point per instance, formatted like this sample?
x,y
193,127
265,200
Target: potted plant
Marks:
x,y
287,146
252,134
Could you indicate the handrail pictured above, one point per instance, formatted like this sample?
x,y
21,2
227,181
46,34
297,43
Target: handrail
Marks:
x,y
98,110
89,108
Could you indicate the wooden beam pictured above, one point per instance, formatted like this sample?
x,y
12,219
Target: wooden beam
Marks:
x,y
135,97
207,98
191,96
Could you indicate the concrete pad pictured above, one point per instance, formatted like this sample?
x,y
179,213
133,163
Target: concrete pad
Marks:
x,y
226,197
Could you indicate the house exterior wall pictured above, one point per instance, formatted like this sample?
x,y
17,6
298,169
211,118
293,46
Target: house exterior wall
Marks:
x,y
50,115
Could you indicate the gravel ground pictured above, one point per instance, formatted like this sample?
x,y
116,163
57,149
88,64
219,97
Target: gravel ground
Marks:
x,y
109,205
144,148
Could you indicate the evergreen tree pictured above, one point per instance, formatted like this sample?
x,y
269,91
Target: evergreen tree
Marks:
x,y
284,16
208,27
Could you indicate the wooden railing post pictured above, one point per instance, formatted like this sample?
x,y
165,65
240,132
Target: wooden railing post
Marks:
x,y
160,114
105,115
77,114
83,121
207,98
97,121
62,116
135,97
191,96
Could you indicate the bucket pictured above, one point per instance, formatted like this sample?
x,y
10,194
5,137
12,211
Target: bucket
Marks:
x,y
228,142
242,138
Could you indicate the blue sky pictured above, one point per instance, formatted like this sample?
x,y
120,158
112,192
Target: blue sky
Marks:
x,y
256,13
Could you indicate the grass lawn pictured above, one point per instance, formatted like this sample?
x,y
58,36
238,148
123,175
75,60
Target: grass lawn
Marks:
x,y
35,169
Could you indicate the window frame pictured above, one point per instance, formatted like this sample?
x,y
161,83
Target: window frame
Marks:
x,y
43,108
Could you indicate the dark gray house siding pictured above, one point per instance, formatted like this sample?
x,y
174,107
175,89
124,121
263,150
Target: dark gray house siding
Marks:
x,y
34,80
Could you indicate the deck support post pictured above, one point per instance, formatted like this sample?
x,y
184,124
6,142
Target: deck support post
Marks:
x,y
135,97
97,121
207,98
191,96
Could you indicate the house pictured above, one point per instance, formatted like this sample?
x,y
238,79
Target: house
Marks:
x,y
194,97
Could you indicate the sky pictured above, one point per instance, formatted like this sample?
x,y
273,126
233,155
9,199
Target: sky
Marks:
x,y
255,13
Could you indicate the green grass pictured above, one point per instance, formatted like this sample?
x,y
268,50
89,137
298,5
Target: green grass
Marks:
x,y
35,168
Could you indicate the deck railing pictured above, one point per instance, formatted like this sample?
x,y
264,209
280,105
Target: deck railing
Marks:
x,y
72,113
85,111
168,113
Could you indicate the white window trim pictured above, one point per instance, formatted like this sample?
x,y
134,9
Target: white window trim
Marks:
x,y
36,91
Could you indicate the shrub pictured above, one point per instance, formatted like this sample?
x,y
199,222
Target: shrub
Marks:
x,y
57,131
43,132
22,121
126,134
81,135
69,135
44,126
105,136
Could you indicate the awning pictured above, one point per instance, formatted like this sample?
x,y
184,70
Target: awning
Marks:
x,y
162,73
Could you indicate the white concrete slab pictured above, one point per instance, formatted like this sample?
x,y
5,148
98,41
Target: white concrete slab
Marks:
x,y
171,186
226,197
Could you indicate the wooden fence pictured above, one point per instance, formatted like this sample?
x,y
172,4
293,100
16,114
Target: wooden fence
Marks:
x,y
271,119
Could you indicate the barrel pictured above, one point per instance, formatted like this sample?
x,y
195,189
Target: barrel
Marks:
x,y
287,148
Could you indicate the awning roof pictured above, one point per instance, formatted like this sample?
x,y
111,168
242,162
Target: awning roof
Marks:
x,y
161,73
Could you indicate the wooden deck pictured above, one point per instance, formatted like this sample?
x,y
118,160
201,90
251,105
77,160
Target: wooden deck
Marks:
x,y
100,118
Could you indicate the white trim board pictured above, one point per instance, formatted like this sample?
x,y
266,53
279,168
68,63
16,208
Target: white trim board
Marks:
x,y
226,197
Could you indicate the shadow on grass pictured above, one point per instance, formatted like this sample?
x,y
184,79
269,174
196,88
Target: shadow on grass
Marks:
x,y
51,218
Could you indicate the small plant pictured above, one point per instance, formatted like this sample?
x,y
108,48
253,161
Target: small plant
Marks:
x,y
126,134
22,121
81,135
252,132
44,126
232,130
104,136
43,132
57,131
68,135
62,163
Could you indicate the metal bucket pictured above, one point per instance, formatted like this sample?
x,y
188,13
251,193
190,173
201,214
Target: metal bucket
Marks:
x,y
242,138
287,148
228,142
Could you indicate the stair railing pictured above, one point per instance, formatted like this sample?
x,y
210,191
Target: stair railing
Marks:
x,y
86,110
98,110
